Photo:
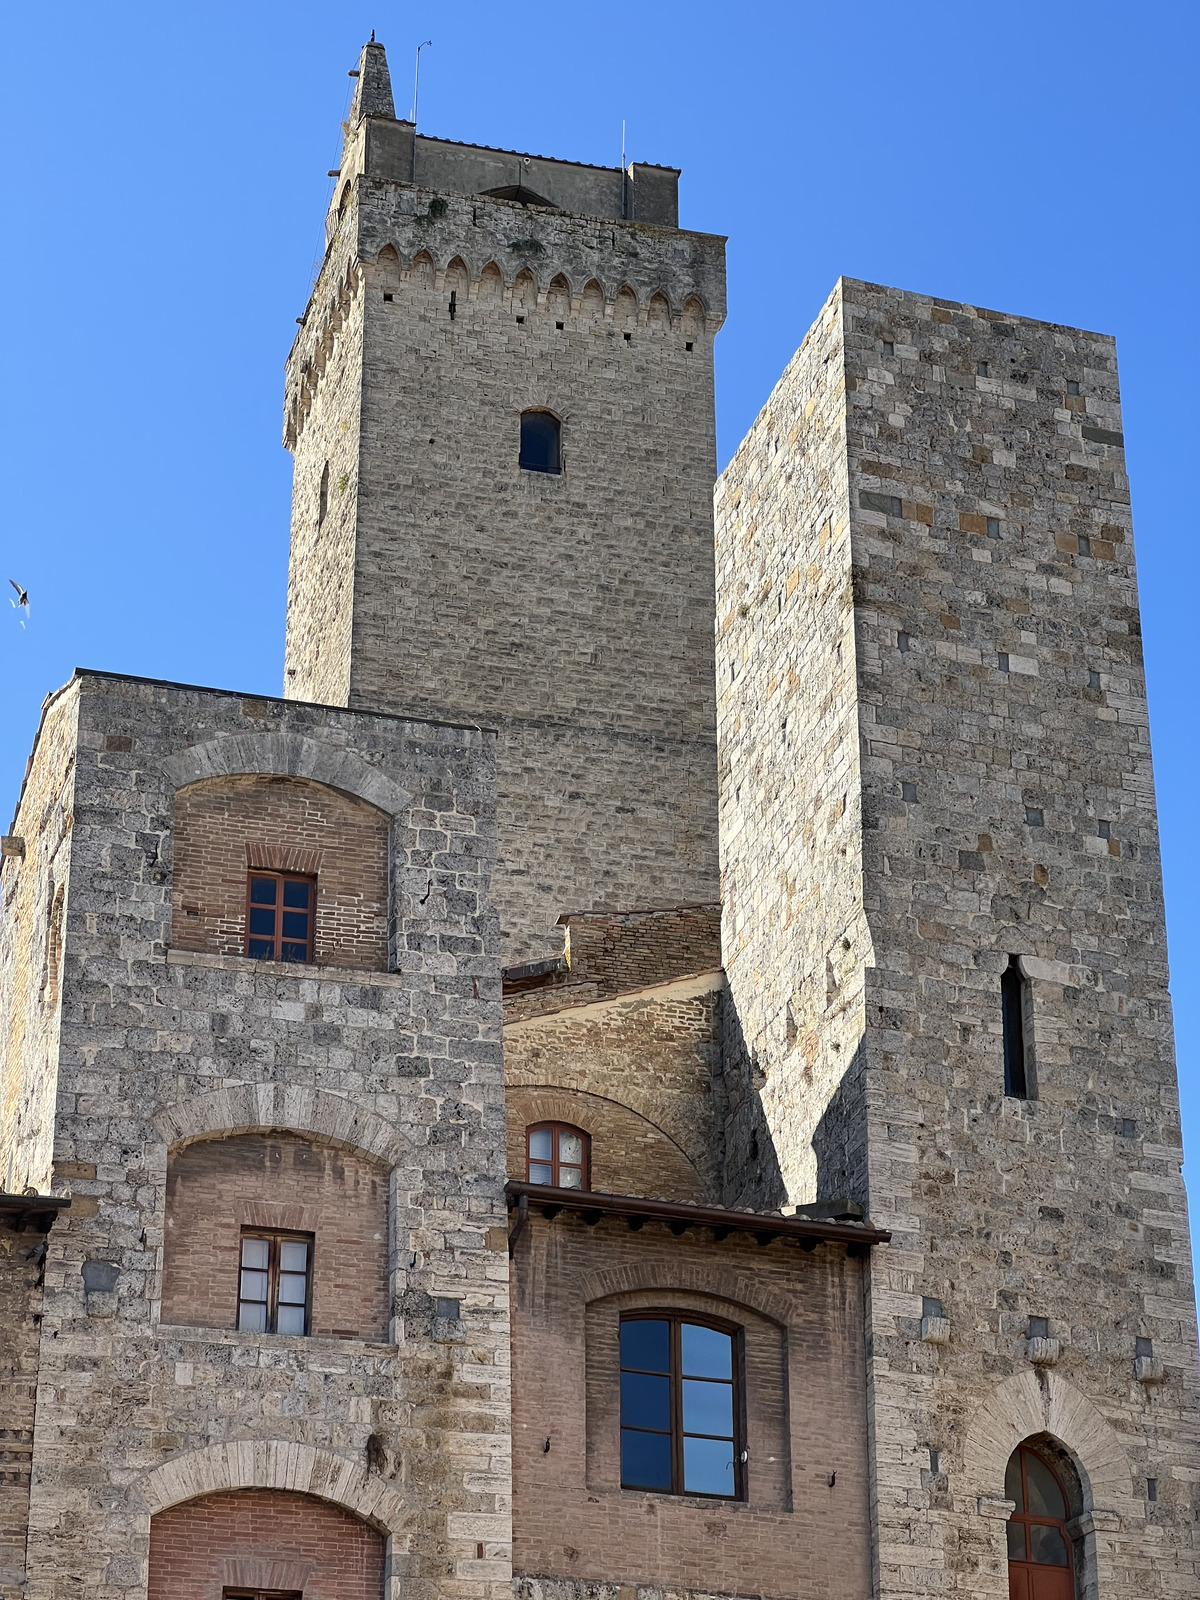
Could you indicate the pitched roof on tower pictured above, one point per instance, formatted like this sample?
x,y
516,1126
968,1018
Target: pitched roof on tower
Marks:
x,y
373,92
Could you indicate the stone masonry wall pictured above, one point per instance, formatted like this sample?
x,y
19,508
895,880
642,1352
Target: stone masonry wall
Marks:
x,y
161,1047
21,1266
573,611
1007,808
225,827
32,909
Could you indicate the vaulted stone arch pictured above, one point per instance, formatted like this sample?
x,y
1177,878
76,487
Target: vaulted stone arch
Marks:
x,y
238,1108
287,755
732,1284
273,1464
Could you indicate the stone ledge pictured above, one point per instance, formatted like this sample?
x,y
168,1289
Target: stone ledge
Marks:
x,y
301,971
318,1343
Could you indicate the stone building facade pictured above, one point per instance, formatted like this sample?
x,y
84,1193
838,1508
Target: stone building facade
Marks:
x,y
422,1174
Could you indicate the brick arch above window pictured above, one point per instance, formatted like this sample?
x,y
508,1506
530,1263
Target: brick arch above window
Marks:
x,y
629,1154
228,828
239,1108
288,755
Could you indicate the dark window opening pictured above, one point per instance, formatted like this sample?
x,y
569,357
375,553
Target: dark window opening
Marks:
x,y
279,917
681,1425
1014,1008
558,1154
628,337
387,296
540,442
1040,1559
323,495
1072,387
688,345
453,304
275,1283
981,369
560,326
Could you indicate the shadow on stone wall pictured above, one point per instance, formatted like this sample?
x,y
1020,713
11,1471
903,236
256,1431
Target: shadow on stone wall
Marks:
x,y
840,1137
752,1176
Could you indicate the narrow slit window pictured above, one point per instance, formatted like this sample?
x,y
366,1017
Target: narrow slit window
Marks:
x,y
323,495
681,1427
1015,1007
541,442
279,916
557,1154
275,1283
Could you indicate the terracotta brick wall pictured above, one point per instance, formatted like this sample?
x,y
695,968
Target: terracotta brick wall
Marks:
x,y
225,826
263,1539
218,1186
630,1155
796,1534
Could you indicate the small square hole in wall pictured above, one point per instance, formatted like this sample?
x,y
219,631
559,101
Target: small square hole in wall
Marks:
x,y
993,527
908,791
1093,680
889,349
1152,1490
1072,388
389,297
931,1307
1039,1327
560,326
688,345
1034,817
1002,661
628,337
1085,545
1104,829
981,369
1128,1130
902,641
935,1463
520,319
1143,1347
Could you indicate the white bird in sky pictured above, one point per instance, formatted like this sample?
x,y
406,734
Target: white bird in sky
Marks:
x,y
21,603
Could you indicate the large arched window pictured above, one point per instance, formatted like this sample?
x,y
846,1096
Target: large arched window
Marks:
x,y
541,439
1040,1559
558,1154
681,1427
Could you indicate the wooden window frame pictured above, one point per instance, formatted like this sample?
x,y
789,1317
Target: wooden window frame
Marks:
x,y
555,1163
1029,1519
676,1319
261,1594
275,1237
278,939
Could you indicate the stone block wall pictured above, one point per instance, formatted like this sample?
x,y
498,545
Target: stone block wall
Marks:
x,y
22,1255
572,611
981,534
164,1048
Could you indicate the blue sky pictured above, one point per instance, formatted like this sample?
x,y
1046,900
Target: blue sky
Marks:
x,y
165,191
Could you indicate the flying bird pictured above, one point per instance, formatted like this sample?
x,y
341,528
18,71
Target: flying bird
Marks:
x,y
21,603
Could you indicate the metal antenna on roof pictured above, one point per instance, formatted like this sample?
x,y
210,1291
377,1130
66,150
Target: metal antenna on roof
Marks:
x,y
624,176
417,78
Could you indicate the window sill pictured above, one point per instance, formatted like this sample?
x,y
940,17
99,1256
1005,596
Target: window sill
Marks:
x,y
322,1343
300,970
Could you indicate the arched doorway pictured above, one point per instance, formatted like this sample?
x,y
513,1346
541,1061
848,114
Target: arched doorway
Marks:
x,y
1041,1563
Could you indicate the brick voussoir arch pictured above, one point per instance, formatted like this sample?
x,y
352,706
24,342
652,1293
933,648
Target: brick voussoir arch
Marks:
x,y
1032,1403
732,1284
273,1464
238,1108
287,755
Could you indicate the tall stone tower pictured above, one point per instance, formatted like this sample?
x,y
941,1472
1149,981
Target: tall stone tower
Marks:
x,y
944,924
433,574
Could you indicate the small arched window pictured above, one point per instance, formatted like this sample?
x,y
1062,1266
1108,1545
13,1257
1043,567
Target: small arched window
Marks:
x,y
1040,1559
1016,1005
558,1154
541,441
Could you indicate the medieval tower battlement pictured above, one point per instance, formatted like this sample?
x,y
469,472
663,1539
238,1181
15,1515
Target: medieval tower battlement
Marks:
x,y
647,1073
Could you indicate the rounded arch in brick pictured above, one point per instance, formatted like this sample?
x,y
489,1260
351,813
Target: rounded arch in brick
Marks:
x,y
230,826
264,1539
237,1108
629,1153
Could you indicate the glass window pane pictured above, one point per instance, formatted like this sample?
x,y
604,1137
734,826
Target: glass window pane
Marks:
x,y
293,1255
297,894
708,1466
541,1143
645,1460
1012,1480
262,921
570,1178
293,952
646,1344
261,949
256,1253
263,891
252,1318
570,1147
645,1401
539,442
295,924
293,1288
1049,1548
540,1172
1016,1539
1045,1497
707,1407
291,1319
254,1286
707,1353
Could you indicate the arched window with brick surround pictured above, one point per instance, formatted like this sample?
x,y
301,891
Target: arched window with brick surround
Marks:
x,y
558,1154
280,869
246,1544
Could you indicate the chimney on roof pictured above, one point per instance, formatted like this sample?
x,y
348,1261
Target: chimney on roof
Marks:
x,y
373,91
